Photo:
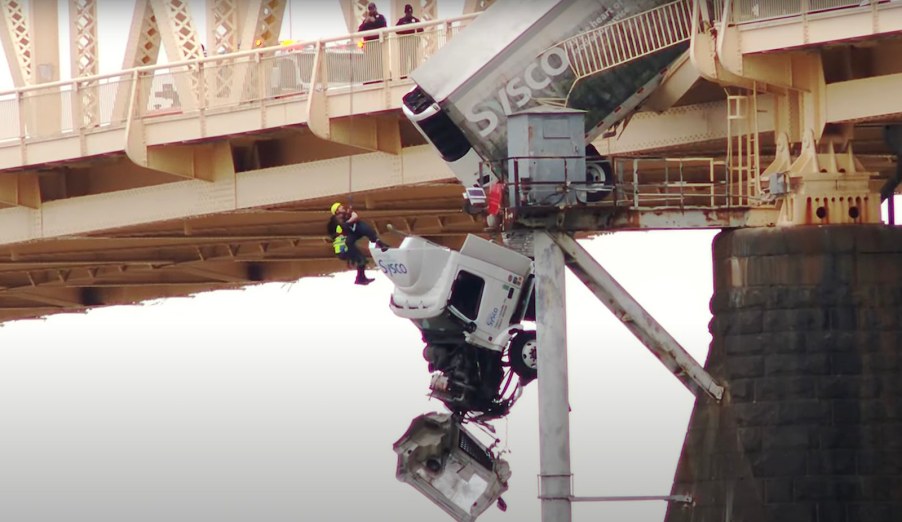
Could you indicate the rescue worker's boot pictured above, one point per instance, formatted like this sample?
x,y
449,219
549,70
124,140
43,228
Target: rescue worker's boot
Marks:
x,y
362,279
381,246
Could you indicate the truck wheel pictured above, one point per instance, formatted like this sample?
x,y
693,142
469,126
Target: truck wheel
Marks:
x,y
523,355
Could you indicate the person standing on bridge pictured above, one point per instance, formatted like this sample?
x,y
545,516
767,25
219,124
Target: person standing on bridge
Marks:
x,y
372,47
372,20
346,222
408,42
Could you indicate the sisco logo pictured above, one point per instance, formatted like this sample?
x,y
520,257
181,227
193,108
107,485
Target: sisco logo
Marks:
x,y
492,317
392,268
519,90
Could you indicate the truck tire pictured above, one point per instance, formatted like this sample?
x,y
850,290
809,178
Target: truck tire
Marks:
x,y
523,355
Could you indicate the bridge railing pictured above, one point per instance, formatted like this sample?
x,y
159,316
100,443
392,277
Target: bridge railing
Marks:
x,y
631,183
629,39
744,11
371,59
691,182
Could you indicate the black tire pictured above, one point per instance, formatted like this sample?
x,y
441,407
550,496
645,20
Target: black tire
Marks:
x,y
523,355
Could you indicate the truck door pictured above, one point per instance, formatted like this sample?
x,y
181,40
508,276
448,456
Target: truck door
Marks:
x,y
466,297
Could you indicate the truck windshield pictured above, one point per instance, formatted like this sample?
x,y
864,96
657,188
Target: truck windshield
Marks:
x,y
466,294
442,324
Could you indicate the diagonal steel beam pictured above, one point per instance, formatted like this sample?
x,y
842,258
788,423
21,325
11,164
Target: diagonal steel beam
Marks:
x,y
637,320
182,43
83,47
16,39
141,49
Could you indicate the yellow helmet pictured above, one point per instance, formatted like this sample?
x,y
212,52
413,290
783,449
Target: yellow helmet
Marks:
x,y
335,207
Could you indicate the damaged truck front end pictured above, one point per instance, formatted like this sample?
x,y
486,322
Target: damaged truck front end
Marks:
x,y
451,467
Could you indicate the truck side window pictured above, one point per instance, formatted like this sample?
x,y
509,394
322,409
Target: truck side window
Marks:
x,y
466,294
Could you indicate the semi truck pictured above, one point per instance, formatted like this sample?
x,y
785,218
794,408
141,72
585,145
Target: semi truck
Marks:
x,y
602,57
474,308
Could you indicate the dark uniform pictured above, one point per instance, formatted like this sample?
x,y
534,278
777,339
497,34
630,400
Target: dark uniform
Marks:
x,y
372,47
347,251
408,42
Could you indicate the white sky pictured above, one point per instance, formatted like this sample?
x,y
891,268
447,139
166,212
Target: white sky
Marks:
x,y
281,402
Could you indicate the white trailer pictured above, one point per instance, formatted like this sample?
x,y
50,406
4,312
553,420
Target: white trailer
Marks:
x,y
522,54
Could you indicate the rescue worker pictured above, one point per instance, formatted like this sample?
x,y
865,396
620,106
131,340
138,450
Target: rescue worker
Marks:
x,y
353,257
345,219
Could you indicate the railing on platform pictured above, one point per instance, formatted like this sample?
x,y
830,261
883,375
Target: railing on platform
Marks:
x,y
219,82
700,183
629,39
629,183
746,11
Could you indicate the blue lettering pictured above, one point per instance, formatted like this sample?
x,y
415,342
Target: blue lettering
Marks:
x,y
492,317
392,268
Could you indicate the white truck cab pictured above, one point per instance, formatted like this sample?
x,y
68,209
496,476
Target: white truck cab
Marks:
x,y
470,307
480,292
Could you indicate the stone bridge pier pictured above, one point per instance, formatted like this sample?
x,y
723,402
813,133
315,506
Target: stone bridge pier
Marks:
x,y
807,333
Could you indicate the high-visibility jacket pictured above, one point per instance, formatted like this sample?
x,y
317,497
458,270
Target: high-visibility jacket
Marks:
x,y
340,243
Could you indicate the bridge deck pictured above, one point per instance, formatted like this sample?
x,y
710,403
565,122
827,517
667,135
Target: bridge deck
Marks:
x,y
217,173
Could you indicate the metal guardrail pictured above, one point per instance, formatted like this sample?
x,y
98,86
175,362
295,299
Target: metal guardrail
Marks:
x,y
629,39
218,82
635,184
746,11
645,183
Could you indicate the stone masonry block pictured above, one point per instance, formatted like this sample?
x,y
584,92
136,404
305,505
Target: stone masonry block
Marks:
x,y
801,437
750,439
870,512
741,322
791,512
795,343
779,463
882,489
745,367
879,461
755,414
784,388
826,488
841,318
778,490
832,462
744,344
846,411
828,511
804,411
741,390
846,363
840,386
792,365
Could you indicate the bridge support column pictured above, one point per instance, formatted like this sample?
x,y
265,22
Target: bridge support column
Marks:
x,y
807,331
554,403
